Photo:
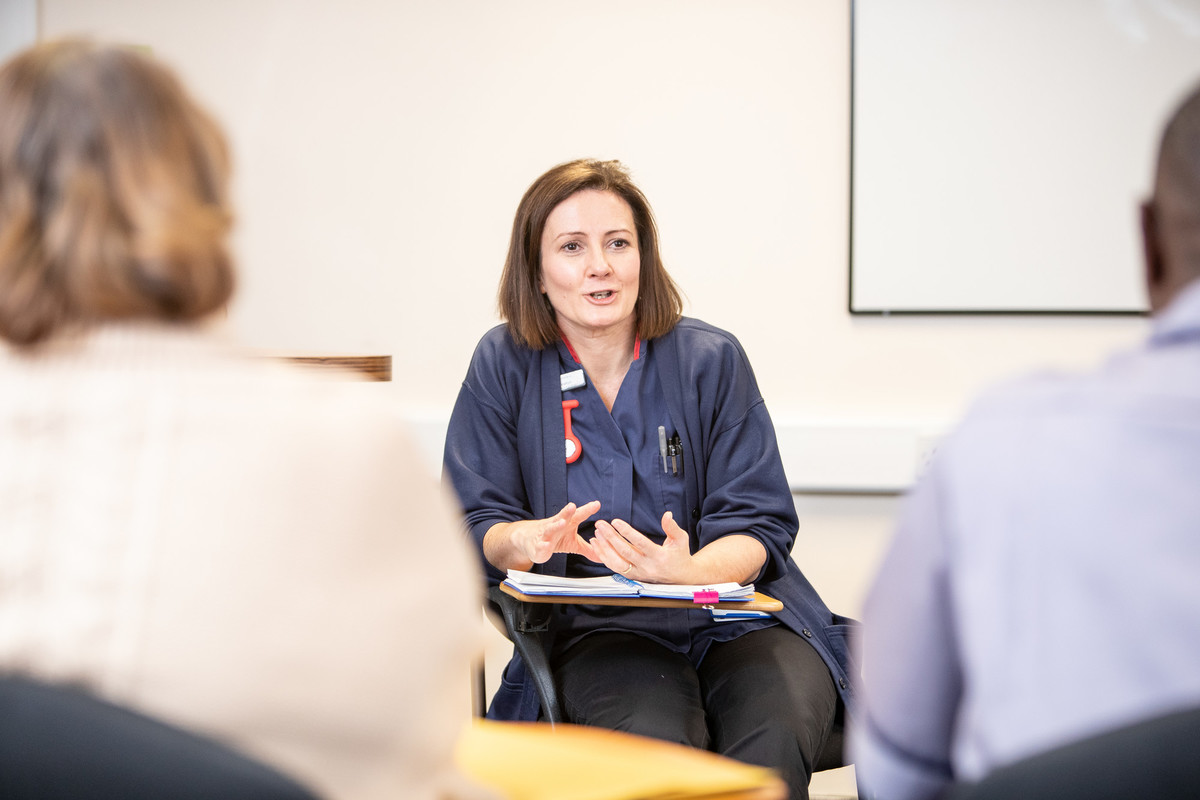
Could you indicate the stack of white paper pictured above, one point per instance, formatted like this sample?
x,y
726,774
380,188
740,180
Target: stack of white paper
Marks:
x,y
619,586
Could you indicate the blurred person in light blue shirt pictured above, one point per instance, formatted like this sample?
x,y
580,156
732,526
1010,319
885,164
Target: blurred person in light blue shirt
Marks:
x,y
1043,585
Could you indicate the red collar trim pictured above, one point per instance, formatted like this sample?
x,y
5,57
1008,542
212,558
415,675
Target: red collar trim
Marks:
x,y
637,349
571,350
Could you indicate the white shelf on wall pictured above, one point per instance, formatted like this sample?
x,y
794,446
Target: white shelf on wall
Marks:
x,y
825,457
855,457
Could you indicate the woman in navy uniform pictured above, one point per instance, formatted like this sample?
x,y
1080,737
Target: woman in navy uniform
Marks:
x,y
599,431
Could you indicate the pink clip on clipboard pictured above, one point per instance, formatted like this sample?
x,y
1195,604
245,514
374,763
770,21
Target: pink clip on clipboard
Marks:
x,y
705,597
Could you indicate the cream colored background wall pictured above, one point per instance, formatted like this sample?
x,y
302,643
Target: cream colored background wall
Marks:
x,y
18,25
382,146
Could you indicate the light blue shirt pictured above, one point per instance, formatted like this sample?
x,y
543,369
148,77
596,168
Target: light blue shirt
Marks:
x,y
1044,580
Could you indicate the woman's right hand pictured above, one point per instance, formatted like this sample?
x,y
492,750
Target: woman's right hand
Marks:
x,y
521,544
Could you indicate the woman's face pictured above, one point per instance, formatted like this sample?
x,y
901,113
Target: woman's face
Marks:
x,y
591,264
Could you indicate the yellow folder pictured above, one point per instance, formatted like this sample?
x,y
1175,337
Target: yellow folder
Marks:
x,y
539,761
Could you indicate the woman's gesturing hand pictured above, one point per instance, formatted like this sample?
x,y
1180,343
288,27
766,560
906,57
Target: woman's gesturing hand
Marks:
x,y
733,558
626,550
521,544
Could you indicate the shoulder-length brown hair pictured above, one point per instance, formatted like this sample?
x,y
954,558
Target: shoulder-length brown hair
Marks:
x,y
113,193
529,315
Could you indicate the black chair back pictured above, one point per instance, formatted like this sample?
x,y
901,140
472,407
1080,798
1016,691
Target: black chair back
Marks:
x,y
58,743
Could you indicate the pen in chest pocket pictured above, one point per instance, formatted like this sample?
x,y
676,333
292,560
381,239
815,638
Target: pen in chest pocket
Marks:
x,y
671,451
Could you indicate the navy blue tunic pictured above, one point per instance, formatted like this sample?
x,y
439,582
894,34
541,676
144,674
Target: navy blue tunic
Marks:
x,y
621,465
505,458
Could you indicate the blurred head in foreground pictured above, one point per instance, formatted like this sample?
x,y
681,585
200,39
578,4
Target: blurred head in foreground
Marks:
x,y
1171,218
113,194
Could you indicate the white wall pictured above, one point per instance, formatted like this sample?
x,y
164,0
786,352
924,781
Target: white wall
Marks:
x,y
382,146
18,25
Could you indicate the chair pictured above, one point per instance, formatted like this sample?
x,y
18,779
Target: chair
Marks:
x,y
528,627
59,743
1155,758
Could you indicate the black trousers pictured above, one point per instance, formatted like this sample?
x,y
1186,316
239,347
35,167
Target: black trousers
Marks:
x,y
764,698
1158,758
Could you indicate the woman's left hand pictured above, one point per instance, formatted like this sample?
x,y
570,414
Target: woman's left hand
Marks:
x,y
624,549
731,558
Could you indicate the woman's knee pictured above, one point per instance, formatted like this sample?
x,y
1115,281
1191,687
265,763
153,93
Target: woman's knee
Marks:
x,y
770,692
629,683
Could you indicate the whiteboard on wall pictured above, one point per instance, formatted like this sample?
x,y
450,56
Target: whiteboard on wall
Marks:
x,y
1000,149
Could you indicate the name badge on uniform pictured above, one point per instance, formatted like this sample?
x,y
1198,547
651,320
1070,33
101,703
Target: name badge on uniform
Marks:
x,y
572,380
